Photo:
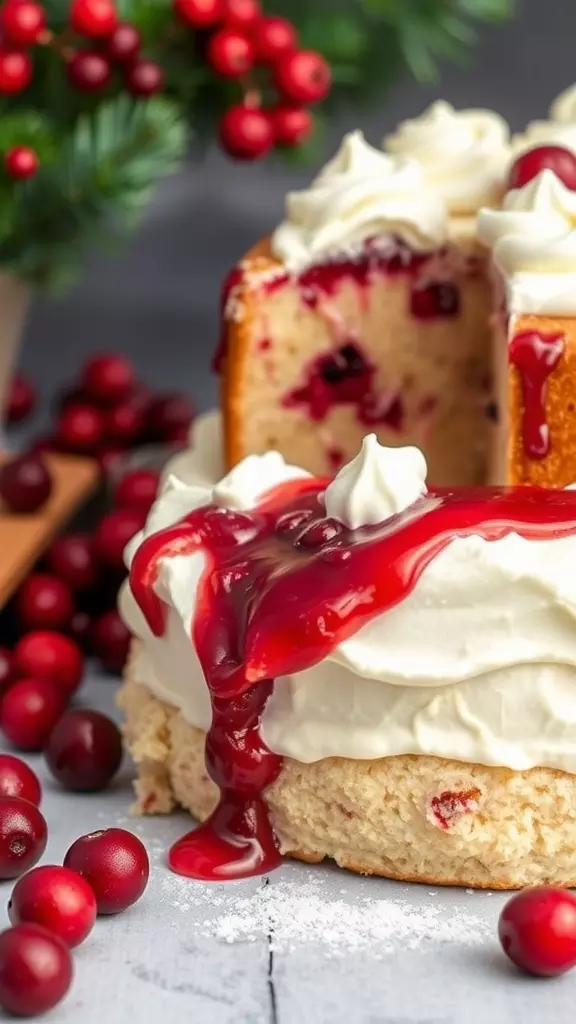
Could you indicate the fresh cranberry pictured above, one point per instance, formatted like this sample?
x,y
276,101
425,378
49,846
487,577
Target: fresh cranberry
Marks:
x,y
21,399
25,483
17,779
16,70
137,489
22,23
438,299
44,602
245,132
111,641
319,533
199,14
230,53
56,898
84,750
45,654
113,533
35,970
124,43
537,930
144,78
292,125
80,629
23,836
80,428
242,14
93,18
68,396
108,378
273,38
115,864
108,458
125,423
558,159
7,670
303,76
21,162
29,711
71,558
168,412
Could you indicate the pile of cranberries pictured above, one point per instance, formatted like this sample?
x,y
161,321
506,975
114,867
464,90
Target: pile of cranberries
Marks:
x,y
53,908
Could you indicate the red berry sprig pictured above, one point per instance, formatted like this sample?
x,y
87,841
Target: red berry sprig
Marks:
x,y
22,22
15,71
94,19
21,163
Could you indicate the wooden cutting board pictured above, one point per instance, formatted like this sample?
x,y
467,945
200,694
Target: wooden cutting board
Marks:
x,y
23,538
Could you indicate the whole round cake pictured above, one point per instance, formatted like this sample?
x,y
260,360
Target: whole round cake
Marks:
x,y
379,666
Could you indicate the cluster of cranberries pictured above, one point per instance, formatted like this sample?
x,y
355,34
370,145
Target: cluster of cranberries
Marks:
x,y
53,908
243,44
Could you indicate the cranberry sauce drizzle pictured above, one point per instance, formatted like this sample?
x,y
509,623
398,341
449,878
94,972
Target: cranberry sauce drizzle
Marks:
x,y
282,586
535,356
345,376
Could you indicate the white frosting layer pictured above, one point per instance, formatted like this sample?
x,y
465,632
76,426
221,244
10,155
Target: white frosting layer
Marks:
x,y
463,153
534,245
478,663
361,193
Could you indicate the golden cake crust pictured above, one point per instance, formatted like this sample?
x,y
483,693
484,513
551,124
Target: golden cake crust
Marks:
x,y
411,818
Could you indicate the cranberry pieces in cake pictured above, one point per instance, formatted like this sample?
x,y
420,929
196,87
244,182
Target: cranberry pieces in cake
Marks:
x,y
445,809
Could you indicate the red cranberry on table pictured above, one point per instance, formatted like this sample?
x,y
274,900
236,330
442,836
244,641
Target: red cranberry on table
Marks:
x,y
71,558
45,654
84,750
273,38
246,133
125,423
108,378
17,779
29,711
7,670
558,159
44,602
113,533
115,864
56,898
537,930
168,412
80,428
21,399
25,484
23,836
303,76
80,629
137,489
35,970
111,641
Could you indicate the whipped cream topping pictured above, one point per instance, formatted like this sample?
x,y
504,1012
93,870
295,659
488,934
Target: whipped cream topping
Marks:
x,y
478,663
463,153
563,108
378,483
534,245
360,194
559,130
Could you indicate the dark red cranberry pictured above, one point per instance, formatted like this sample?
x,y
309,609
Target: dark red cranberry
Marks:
x,y
319,533
113,533
44,602
25,483
108,458
21,399
137,489
80,629
336,556
537,930
108,378
168,413
43,443
438,299
35,970
29,711
111,641
292,521
56,898
23,836
45,654
17,779
125,423
115,864
558,159
80,428
84,750
7,670
72,559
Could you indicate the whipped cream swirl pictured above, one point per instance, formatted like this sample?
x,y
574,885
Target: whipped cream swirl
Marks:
x,y
478,663
463,153
360,194
534,245
559,130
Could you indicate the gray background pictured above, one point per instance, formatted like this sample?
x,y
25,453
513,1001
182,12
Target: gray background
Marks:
x,y
158,301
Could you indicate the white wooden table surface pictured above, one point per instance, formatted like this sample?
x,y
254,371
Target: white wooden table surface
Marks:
x,y
302,946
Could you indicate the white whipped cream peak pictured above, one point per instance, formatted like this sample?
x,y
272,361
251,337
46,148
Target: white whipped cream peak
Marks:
x,y
463,153
361,193
534,245
559,130
563,108
378,483
245,484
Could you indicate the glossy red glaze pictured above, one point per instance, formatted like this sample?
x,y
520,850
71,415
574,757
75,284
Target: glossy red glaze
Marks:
x,y
274,600
535,356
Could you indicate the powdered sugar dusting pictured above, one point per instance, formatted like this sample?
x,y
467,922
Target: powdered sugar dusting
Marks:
x,y
291,914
